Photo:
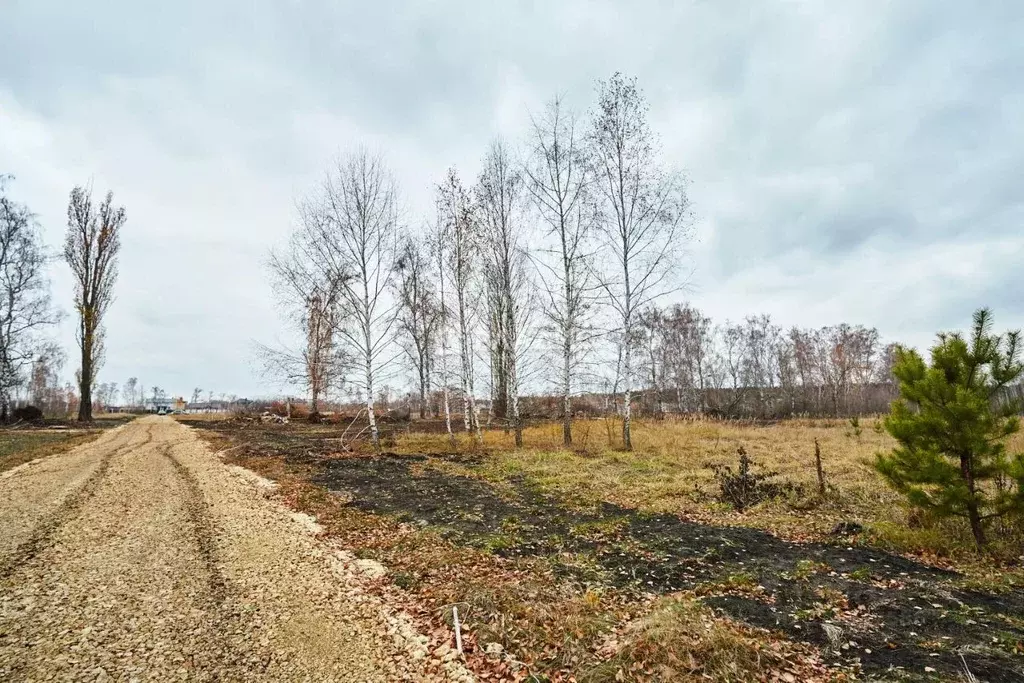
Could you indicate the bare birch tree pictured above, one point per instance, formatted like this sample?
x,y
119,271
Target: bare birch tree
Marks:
x,y
359,201
25,307
645,211
419,313
560,180
460,267
130,391
438,251
499,197
91,248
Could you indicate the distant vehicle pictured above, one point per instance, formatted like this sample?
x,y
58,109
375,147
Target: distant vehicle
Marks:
x,y
163,410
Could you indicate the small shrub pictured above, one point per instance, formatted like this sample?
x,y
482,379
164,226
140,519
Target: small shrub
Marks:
x,y
743,487
27,414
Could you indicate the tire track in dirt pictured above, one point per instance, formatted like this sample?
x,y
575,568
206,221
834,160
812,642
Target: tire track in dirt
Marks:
x,y
225,620
202,526
65,511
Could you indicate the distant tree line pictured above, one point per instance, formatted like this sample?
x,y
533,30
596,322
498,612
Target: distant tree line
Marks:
x,y
755,368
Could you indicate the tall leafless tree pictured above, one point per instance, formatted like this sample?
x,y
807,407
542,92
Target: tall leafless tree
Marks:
x,y
130,391
645,215
91,249
419,311
308,288
360,228
499,197
560,180
45,388
438,243
462,251
25,308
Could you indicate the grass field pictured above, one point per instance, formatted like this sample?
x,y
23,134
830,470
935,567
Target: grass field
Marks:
x,y
670,470
599,565
20,446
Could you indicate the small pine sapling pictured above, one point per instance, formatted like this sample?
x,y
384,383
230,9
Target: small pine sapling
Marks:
x,y
951,431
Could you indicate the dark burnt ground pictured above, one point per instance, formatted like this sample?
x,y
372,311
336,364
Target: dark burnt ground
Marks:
x,y
898,619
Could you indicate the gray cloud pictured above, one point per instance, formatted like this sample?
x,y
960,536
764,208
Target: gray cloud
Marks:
x,y
856,161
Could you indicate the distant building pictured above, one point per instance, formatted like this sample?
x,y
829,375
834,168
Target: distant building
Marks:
x,y
152,405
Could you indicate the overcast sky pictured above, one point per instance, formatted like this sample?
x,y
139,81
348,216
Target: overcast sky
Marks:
x,y
855,161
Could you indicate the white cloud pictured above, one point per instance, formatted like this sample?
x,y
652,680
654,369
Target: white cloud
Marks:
x,y
857,162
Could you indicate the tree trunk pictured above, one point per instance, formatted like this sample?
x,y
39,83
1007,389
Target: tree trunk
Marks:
x,y
821,471
976,527
371,418
85,385
423,393
474,413
627,411
374,433
448,417
513,401
967,472
566,400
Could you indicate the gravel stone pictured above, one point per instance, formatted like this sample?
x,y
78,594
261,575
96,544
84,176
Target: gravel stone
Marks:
x,y
141,557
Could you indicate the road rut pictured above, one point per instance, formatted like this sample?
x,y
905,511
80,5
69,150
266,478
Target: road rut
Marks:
x,y
141,557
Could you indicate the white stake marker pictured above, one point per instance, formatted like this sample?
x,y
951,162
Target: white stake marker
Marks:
x,y
458,630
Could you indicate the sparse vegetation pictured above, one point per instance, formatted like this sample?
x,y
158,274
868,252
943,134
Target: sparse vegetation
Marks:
x,y
558,551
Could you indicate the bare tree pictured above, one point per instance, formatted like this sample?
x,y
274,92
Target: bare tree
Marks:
x,y
91,248
129,391
499,195
45,388
105,395
559,182
645,212
24,295
419,312
438,251
462,250
760,369
845,355
358,209
307,284
651,329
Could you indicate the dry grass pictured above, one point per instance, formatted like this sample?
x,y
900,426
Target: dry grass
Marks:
x,y
670,471
20,446
202,417
680,639
552,627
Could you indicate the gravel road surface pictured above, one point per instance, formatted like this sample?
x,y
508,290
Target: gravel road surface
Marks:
x,y
140,556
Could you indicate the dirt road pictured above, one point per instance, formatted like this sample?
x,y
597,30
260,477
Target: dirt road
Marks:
x,y
141,557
